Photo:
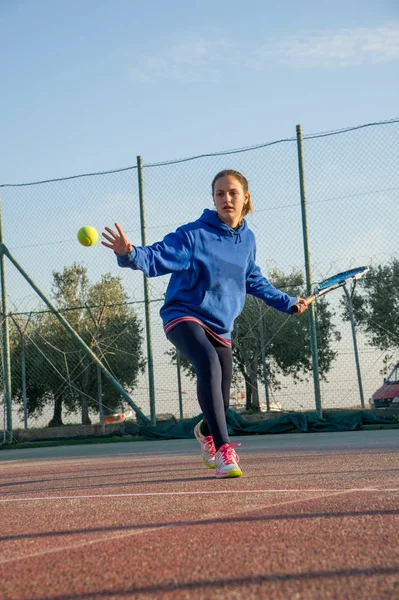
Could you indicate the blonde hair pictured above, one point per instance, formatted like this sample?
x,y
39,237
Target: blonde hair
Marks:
x,y
244,182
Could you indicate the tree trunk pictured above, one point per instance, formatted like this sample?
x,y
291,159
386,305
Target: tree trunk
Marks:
x,y
248,393
85,412
56,421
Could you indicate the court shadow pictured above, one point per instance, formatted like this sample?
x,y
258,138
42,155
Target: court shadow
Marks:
x,y
232,583
203,522
85,477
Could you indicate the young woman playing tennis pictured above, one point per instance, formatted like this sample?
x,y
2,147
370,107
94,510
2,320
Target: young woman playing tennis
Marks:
x,y
213,266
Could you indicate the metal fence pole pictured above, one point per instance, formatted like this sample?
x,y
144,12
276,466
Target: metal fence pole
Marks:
x,y
5,337
178,367
305,233
98,370
146,295
23,370
352,320
263,353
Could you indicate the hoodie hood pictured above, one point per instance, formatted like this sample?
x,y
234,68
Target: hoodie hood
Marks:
x,y
210,217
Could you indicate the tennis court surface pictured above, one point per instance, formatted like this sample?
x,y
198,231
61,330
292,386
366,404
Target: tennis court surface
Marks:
x,y
315,516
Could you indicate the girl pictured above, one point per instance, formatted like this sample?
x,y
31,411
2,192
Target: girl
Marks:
x,y
212,262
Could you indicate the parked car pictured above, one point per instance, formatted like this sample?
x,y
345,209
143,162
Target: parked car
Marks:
x,y
388,393
125,412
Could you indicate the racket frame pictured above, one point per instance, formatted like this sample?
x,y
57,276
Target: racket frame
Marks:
x,y
318,291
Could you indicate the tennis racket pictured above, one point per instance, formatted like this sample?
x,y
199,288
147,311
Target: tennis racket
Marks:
x,y
332,283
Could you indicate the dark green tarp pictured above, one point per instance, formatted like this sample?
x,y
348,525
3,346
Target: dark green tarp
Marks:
x,y
237,425
288,423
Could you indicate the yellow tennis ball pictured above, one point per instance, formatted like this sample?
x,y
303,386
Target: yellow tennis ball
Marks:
x,y
87,235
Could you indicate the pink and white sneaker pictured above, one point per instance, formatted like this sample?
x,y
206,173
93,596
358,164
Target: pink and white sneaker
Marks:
x,y
207,446
227,462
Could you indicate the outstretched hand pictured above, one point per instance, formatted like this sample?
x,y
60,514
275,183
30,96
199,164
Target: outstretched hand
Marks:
x,y
118,242
300,306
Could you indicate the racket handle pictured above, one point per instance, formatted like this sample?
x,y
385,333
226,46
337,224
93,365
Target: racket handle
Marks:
x,y
309,300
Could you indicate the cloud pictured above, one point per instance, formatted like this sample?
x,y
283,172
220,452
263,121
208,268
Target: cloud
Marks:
x,y
197,60
204,60
345,48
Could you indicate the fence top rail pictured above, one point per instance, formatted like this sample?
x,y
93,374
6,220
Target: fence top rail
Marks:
x,y
207,155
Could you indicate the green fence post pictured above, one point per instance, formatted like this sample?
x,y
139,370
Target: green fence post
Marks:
x,y
305,233
179,391
5,337
146,295
23,369
263,354
97,353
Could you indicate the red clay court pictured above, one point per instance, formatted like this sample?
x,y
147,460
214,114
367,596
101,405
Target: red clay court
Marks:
x,y
315,516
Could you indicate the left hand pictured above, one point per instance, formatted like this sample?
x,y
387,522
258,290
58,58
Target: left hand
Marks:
x,y
118,242
300,306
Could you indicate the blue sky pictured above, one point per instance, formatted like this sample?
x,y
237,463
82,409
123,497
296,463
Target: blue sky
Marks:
x,y
89,85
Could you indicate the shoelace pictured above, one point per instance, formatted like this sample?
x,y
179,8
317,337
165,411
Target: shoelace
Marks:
x,y
209,446
229,455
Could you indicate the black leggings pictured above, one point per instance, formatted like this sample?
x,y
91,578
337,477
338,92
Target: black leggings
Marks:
x,y
213,365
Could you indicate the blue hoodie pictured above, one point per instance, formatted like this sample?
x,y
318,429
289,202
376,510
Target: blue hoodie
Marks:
x,y
213,267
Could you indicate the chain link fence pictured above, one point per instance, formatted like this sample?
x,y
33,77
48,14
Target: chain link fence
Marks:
x,y
352,183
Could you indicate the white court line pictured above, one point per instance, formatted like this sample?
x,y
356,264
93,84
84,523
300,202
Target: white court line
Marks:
x,y
84,458
199,493
281,452
109,538
90,457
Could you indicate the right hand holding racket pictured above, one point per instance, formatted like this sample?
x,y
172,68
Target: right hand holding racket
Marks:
x,y
118,242
301,306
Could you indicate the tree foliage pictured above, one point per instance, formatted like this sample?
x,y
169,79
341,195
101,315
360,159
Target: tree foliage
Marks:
x,y
58,371
376,309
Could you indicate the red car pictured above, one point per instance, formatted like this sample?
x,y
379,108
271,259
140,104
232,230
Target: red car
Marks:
x,y
388,393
